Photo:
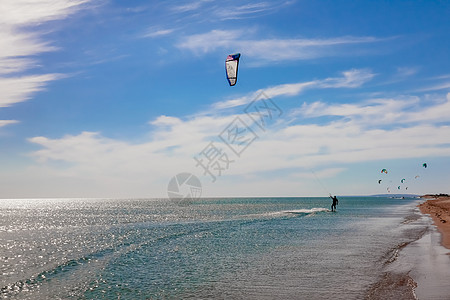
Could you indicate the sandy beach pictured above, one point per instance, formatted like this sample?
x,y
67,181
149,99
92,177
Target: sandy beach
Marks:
x,y
407,277
438,207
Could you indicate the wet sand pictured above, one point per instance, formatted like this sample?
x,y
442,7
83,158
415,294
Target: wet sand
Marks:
x,y
429,265
419,269
439,210
432,270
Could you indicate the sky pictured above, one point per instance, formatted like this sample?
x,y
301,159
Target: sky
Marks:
x,y
103,98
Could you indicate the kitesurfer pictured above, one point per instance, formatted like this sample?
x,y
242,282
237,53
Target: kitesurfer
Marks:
x,y
335,202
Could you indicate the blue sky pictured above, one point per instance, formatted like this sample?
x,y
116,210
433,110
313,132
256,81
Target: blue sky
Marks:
x,y
114,98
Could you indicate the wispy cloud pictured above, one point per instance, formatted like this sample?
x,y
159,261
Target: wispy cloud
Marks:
x,y
189,6
435,83
445,76
21,42
153,33
403,72
227,10
290,89
382,112
7,122
272,49
248,10
18,89
435,87
17,49
350,79
25,12
207,42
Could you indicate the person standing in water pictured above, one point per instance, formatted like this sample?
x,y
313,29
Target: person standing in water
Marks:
x,y
335,202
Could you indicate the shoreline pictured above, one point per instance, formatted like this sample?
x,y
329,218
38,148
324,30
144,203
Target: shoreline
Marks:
x,y
438,207
406,277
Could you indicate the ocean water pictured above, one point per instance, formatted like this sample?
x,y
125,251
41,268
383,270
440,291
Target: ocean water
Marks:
x,y
224,248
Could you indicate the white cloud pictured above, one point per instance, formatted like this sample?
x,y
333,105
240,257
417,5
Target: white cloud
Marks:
x,y
246,10
378,111
15,46
13,65
351,79
21,42
435,87
206,42
18,39
382,111
18,89
226,10
290,89
437,113
403,72
26,12
269,50
166,121
153,33
7,122
329,148
190,6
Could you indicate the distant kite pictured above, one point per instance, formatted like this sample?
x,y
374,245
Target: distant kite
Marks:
x,y
231,66
424,165
384,171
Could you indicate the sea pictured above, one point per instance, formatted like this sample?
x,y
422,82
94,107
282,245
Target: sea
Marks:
x,y
218,248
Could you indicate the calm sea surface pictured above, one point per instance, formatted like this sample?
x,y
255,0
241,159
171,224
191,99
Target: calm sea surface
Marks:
x,y
228,248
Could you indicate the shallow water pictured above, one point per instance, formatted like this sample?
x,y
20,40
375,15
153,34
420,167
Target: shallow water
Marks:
x,y
253,248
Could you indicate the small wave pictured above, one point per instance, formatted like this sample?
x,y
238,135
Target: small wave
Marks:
x,y
67,267
393,253
272,214
285,213
307,211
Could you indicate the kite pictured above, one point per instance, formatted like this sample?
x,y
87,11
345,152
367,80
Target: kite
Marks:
x,y
379,181
424,165
384,171
403,180
231,66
